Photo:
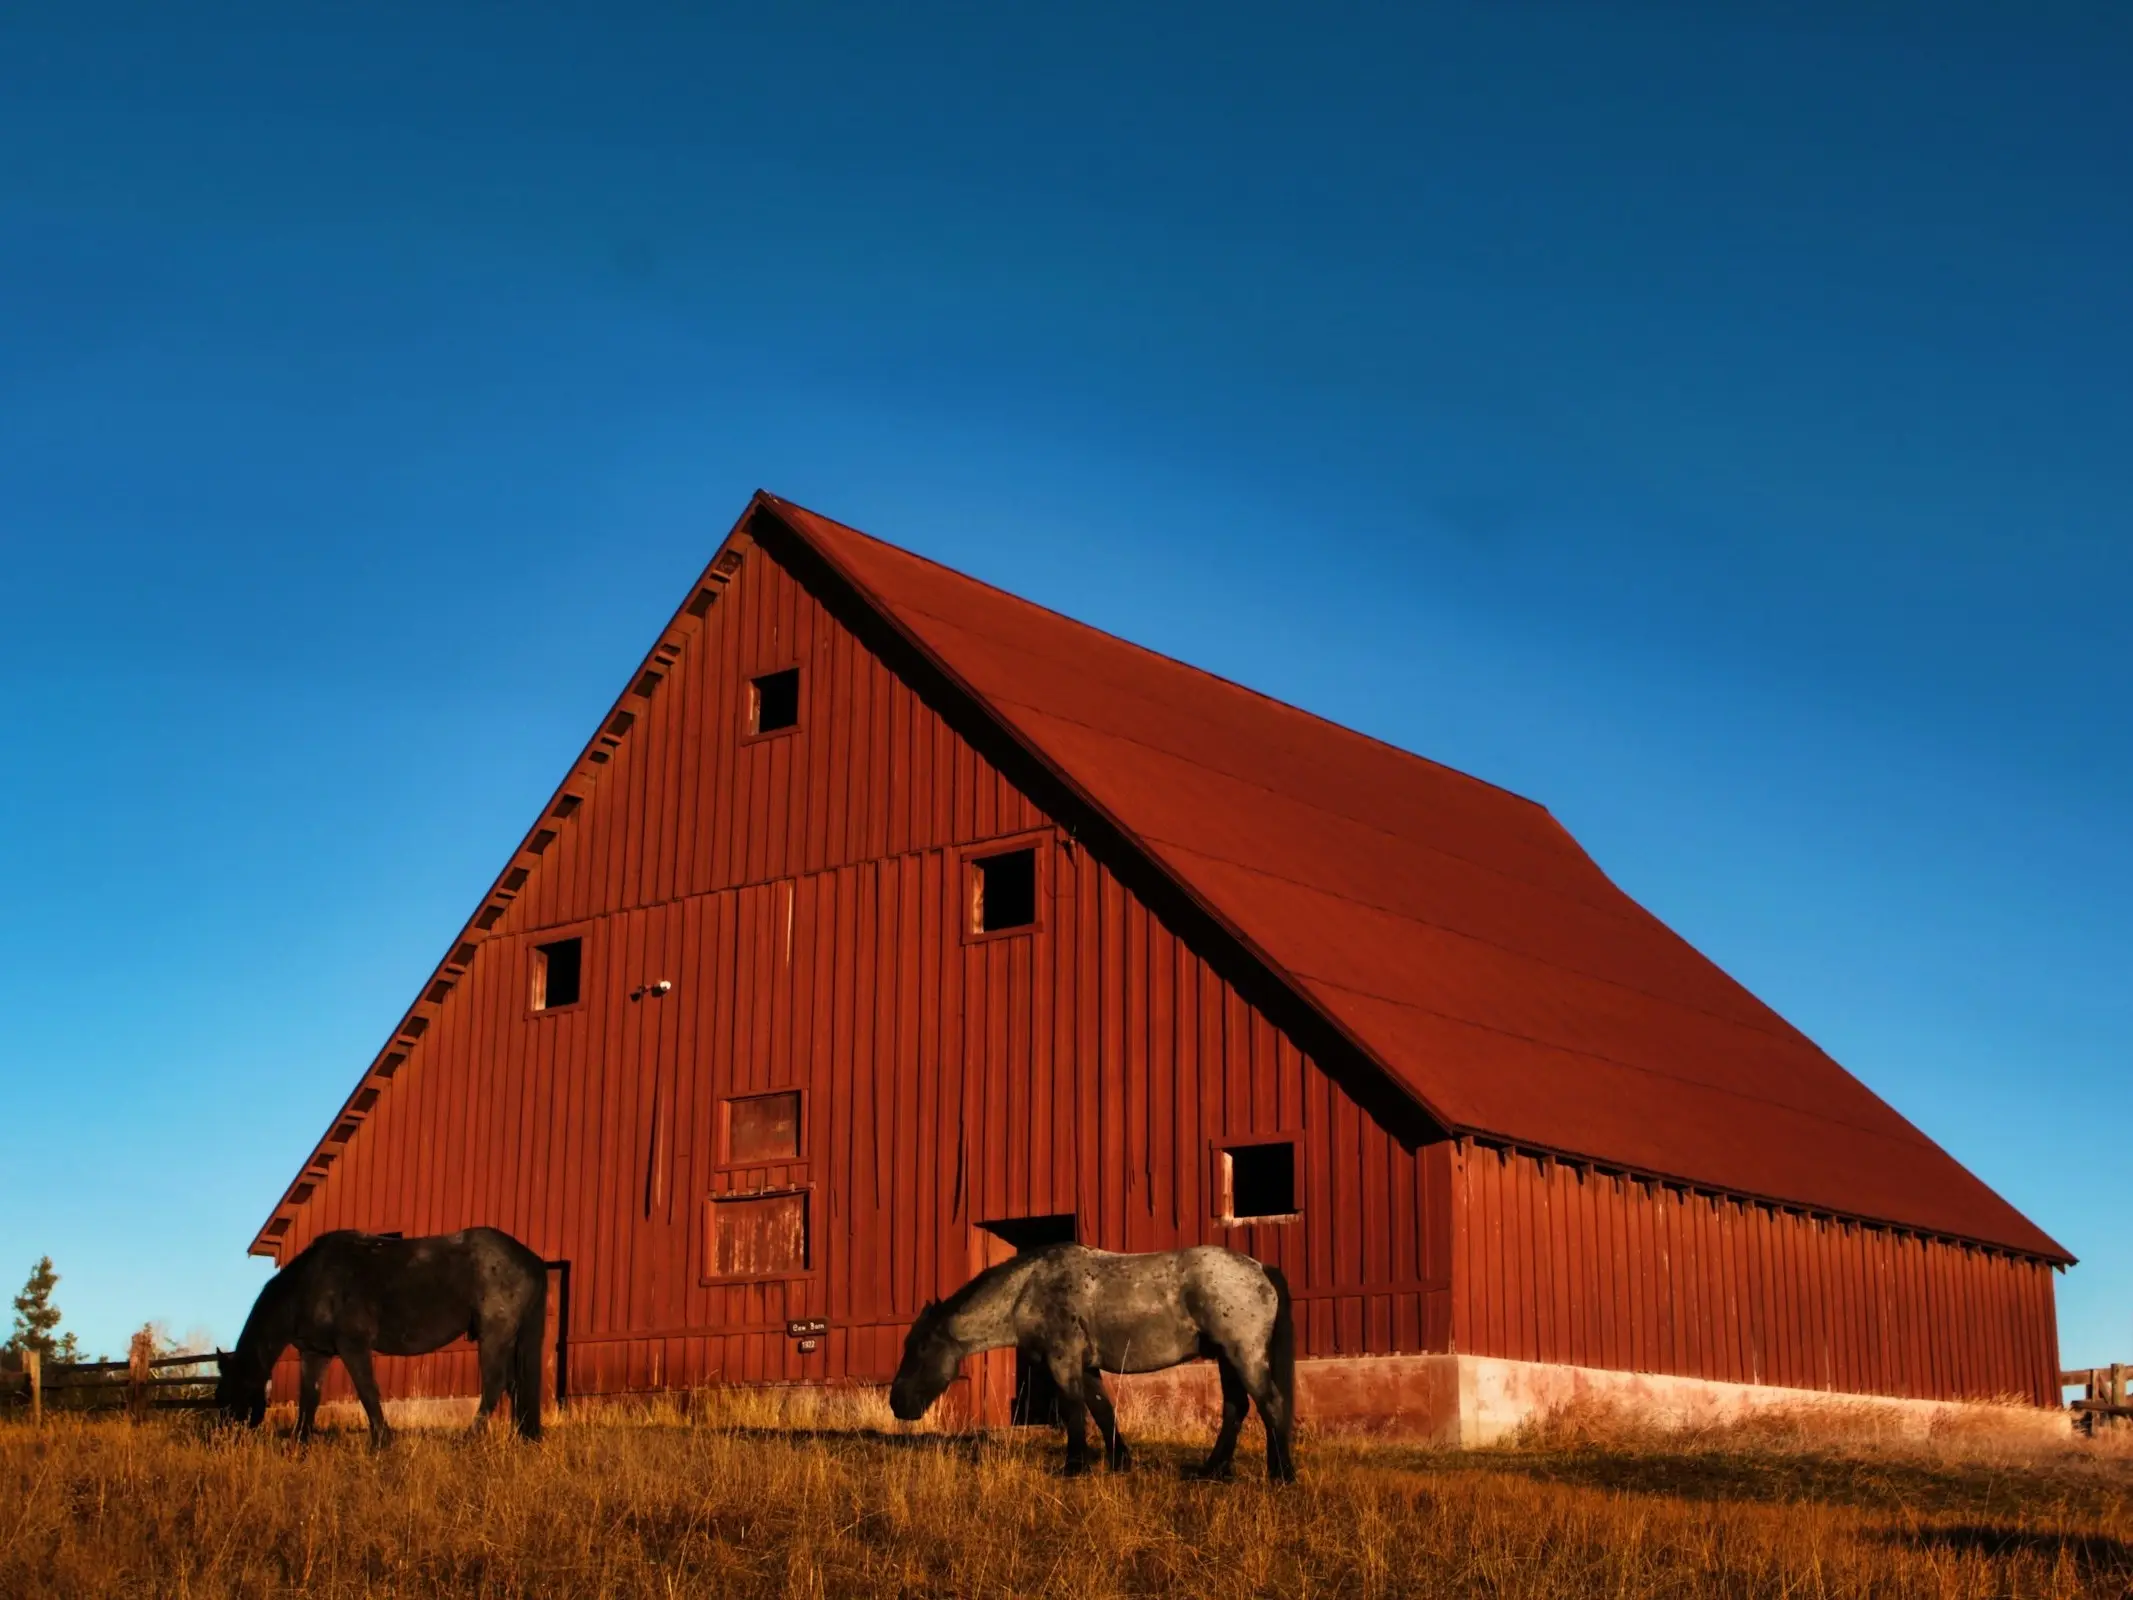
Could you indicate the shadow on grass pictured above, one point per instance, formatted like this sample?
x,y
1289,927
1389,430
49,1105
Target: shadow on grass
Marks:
x,y
1771,1479
1042,1448
2100,1557
1783,1478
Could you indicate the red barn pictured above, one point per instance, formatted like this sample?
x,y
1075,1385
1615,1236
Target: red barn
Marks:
x,y
889,922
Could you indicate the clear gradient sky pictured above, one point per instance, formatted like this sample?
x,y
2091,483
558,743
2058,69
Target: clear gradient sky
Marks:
x,y
1712,421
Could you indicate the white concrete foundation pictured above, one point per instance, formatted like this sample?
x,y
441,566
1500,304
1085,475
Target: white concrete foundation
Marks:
x,y
1471,1401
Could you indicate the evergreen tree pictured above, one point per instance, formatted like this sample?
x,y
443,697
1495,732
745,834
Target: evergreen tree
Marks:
x,y
37,1320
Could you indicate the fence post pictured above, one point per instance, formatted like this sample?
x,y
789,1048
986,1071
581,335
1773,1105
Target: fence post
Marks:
x,y
33,1368
138,1356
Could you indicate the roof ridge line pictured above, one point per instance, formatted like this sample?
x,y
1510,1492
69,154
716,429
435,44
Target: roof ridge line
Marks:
x,y
1324,811
1149,650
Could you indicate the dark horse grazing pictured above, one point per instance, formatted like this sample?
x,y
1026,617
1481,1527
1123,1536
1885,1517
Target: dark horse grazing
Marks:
x,y
1087,1312
351,1294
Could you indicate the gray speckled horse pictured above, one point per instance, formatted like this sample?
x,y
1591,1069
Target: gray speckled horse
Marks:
x,y
349,1294
1087,1312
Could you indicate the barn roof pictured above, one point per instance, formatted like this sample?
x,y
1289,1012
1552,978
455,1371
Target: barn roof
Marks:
x,y
1454,932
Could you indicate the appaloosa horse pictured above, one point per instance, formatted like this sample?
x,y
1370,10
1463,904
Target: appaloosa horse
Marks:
x,y
1087,1312
352,1294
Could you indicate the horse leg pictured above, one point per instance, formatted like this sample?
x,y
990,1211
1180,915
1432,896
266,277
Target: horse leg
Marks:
x,y
1073,1411
1235,1402
311,1378
1116,1456
495,1354
1276,1415
526,1353
356,1358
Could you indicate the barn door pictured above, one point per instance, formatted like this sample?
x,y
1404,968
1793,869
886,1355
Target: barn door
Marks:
x,y
555,1349
992,1372
1033,1401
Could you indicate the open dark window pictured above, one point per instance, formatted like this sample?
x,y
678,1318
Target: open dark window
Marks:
x,y
1033,1233
558,974
775,701
1005,894
1261,1180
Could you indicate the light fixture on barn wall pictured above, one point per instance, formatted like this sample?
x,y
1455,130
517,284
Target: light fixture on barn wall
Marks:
x,y
652,990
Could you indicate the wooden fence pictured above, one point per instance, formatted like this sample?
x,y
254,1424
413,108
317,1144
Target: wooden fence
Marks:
x,y
2108,1391
146,1382
142,1383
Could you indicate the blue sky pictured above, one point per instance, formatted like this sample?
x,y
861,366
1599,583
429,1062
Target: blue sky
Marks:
x,y
1711,421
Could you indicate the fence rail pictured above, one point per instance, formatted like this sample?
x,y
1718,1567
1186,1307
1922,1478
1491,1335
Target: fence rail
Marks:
x,y
200,1360
141,1383
2109,1397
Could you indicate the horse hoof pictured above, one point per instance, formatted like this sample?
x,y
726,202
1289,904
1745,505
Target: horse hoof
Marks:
x,y
1075,1469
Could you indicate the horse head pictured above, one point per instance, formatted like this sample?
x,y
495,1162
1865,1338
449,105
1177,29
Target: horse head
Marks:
x,y
928,1367
240,1389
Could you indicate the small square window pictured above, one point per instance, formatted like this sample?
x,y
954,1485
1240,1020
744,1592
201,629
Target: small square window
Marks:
x,y
775,701
558,974
1005,894
757,1236
1260,1181
763,1127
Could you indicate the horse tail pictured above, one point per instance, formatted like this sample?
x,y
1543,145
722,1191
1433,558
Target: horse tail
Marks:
x,y
1281,1341
526,1355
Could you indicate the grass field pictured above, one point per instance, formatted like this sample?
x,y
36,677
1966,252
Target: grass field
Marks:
x,y
738,1499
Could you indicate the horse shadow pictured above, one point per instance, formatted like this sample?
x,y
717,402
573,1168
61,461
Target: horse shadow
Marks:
x,y
1160,1458
2096,1555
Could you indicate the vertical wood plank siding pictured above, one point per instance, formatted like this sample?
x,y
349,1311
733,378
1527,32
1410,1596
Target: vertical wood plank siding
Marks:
x,y
1557,1263
804,895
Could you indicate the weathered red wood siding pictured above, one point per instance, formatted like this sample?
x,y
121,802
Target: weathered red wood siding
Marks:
x,y
1557,1263
803,894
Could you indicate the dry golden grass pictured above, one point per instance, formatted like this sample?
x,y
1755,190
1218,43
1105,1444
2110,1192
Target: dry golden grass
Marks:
x,y
811,1495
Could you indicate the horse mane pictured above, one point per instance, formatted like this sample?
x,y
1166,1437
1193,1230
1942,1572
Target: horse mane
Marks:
x,y
273,1302
988,1279
271,1306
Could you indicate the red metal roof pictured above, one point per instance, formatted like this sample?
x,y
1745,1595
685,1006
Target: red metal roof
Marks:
x,y
1455,932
